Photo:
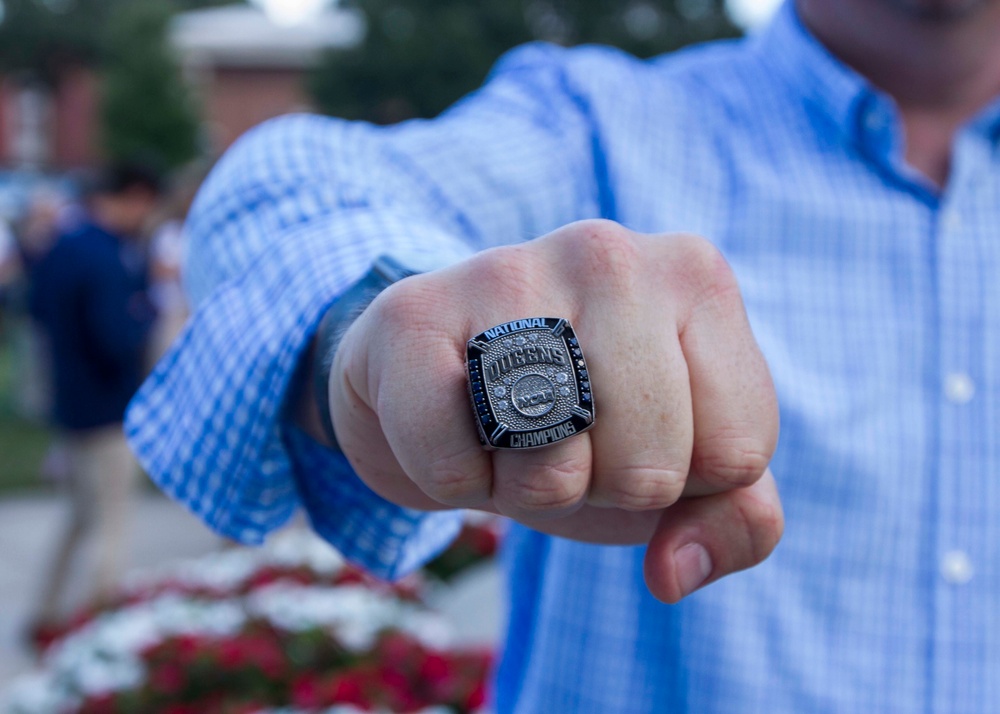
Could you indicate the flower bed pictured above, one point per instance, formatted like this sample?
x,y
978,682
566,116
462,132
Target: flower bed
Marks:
x,y
261,630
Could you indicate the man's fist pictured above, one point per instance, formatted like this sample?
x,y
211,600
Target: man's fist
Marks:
x,y
686,413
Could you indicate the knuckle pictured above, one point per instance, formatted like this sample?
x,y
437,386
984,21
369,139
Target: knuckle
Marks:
x,y
417,312
539,488
452,488
705,271
607,252
399,307
697,254
641,489
450,480
764,521
733,462
505,271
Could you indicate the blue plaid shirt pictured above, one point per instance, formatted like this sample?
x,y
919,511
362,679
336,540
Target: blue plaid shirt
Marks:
x,y
875,298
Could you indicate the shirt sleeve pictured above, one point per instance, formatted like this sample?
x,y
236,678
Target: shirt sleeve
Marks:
x,y
294,214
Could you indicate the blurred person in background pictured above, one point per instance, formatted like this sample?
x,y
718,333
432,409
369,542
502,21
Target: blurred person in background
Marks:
x,y
167,250
90,295
48,213
10,266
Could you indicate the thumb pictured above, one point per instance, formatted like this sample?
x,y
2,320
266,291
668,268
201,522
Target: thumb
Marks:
x,y
699,540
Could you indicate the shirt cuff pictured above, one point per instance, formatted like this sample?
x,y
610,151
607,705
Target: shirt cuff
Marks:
x,y
385,539
206,424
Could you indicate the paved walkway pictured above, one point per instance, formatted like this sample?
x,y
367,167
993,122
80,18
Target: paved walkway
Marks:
x,y
164,532
29,527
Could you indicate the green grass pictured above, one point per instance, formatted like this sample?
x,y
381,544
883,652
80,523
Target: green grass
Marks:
x,y
22,448
22,444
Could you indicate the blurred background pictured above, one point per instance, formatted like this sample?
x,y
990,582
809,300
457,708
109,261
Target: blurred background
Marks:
x,y
85,84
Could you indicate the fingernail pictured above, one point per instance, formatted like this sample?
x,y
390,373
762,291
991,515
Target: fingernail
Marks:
x,y
694,565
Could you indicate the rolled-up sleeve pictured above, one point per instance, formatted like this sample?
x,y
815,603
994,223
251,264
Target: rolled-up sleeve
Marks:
x,y
293,215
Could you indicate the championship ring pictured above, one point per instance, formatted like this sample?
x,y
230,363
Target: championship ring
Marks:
x,y
529,383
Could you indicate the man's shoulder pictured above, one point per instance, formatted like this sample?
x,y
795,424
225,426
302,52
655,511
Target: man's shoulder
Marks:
x,y
723,72
692,60
87,237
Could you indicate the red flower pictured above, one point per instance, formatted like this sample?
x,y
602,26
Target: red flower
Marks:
x,y
167,678
187,647
307,692
350,576
484,541
274,574
477,697
263,666
103,704
263,650
398,649
347,688
391,679
232,654
435,668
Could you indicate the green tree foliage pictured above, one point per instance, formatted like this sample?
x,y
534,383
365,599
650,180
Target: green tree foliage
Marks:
x,y
146,108
419,56
40,36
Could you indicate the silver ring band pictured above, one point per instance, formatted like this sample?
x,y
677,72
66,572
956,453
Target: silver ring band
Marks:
x,y
529,383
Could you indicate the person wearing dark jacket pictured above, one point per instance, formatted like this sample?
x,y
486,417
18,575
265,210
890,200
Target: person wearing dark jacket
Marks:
x,y
90,296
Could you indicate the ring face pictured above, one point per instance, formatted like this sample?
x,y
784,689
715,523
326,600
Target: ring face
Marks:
x,y
529,383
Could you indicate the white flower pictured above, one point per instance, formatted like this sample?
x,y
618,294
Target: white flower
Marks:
x,y
35,694
302,547
353,613
228,570
104,655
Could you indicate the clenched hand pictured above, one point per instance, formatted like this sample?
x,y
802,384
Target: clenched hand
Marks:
x,y
686,413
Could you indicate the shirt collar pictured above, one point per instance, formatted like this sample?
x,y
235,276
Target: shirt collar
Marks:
x,y
988,120
833,88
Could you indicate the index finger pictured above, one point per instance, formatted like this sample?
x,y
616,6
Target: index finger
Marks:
x,y
407,365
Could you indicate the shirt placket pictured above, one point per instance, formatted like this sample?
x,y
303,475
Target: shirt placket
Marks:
x,y
964,491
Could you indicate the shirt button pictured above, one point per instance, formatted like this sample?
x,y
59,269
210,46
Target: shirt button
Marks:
x,y
958,388
956,567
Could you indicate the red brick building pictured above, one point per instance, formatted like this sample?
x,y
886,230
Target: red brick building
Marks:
x,y
243,69
246,69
